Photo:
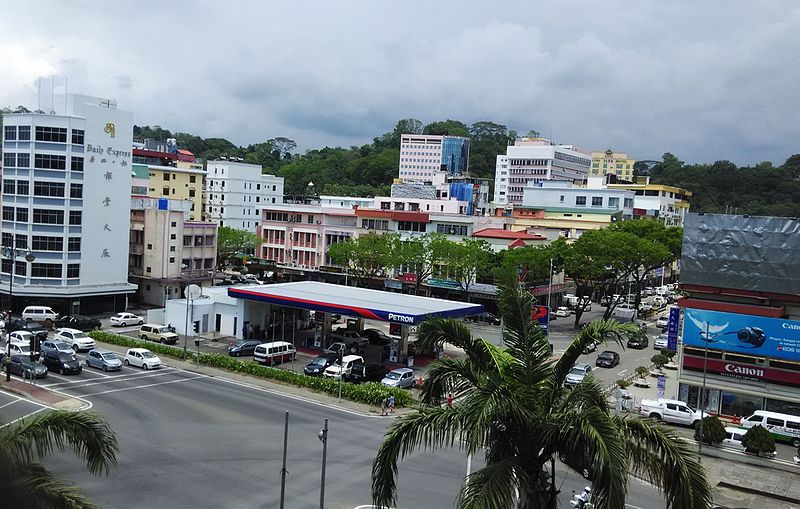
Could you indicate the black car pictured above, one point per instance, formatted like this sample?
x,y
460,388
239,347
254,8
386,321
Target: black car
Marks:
x,y
607,359
64,363
243,347
318,364
377,337
484,317
18,324
369,372
82,323
639,342
579,463
22,364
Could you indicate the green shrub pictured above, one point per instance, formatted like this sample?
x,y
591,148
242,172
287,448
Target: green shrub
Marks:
x,y
622,383
669,354
659,360
369,393
758,441
713,430
642,371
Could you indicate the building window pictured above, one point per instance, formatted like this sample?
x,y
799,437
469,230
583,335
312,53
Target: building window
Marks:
x,y
173,224
171,259
74,270
148,270
9,160
166,176
734,403
57,134
580,200
172,236
411,226
76,163
22,215
24,133
192,179
23,160
171,249
47,216
50,162
310,219
74,244
8,213
76,190
48,189
191,193
10,133
9,187
613,203
597,201
46,270
42,243
23,187
561,198
75,217
77,136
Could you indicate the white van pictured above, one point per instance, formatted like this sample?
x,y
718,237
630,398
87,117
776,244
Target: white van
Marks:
x,y
345,369
733,437
783,427
274,353
39,313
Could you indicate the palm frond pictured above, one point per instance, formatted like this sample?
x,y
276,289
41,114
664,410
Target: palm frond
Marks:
x,y
449,376
447,330
33,486
491,487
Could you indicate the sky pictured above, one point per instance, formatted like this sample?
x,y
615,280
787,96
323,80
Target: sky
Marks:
x,y
703,80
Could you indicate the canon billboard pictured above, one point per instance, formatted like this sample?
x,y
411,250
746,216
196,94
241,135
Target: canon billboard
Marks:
x,y
741,371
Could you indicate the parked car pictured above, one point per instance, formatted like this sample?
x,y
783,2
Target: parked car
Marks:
x,y
31,327
158,333
400,377
125,319
77,339
369,372
39,314
662,322
484,317
103,359
591,347
77,322
607,359
274,352
639,342
336,348
669,410
18,348
318,364
661,342
22,365
563,311
243,347
335,371
142,358
733,437
377,337
645,308
577,374
579,463
64,363
56,345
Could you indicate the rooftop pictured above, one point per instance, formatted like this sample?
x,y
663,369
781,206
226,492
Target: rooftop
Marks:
x,y
499,233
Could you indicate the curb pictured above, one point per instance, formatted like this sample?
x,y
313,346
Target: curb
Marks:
x,y
753,491
748,459
58,405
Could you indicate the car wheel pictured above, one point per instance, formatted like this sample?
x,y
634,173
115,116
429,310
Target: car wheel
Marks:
x,y
655,416
144,365
105,368
143,337
696,424
140,322
75,347
126,362
122,324
163,341
796,442
60,371
585,473
87,363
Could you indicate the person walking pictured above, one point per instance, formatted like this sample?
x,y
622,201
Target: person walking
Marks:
x,y
391,404
383,407
450,399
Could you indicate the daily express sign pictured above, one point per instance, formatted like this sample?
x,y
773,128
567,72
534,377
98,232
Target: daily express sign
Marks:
x,y
744,334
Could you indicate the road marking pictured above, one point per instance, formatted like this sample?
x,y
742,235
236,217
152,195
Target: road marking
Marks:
x,y
20,418
9,403
144,386
121,378
622,372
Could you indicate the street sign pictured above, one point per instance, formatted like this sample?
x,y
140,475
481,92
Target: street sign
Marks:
x,y
672,328
661,386
542,315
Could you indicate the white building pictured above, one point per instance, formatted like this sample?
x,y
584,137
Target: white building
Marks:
x,y
533,160
236,192
422,155
565,196
66,202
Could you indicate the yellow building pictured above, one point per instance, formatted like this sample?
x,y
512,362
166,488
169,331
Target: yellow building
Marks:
x,y
612,163
181,182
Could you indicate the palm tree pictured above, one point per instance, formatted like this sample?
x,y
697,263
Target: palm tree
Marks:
x,y
513,407
25,482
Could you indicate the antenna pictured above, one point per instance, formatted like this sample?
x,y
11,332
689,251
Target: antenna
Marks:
x,y
39,93
52,92
66,89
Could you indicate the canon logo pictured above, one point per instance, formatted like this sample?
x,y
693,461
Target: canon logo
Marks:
x,y
745,371
401,318
792,326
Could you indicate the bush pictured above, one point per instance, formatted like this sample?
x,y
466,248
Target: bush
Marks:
x,y
622,383
758,441
713,430
369,393
642,371
659,360
669,354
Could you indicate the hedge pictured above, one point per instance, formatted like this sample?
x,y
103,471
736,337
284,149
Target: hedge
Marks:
x,y
370,393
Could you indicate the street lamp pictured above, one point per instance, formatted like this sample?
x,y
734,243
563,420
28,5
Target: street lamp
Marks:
x,y
323,437
11,252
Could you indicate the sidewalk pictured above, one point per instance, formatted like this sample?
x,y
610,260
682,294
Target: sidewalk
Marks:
x,y
44,396
745,486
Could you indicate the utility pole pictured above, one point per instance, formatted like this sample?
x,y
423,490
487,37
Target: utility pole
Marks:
x,y
283,469
323,436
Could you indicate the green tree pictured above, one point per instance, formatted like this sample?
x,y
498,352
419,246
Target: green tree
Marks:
x,y
447,128
24,480
420,255
758,441
233,243
514,409
365,257
713,430
469,260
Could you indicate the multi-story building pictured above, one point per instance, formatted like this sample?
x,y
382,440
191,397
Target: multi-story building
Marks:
x,y
533,160
422,155
237,192
66,196
167,251
740,329
612,163
669,204
178,183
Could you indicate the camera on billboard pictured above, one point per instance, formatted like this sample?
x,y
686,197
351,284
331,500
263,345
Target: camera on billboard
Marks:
x,y
752,336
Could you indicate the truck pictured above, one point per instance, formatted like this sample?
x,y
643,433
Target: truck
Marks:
x,y
670,410
349,338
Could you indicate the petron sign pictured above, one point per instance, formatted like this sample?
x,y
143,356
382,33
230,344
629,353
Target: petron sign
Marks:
x,y
759,336
740,371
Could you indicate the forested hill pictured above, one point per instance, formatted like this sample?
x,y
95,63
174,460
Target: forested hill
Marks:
x,y
367,170
763,190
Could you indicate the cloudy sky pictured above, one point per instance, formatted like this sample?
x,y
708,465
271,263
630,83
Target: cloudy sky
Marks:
x,y
704,80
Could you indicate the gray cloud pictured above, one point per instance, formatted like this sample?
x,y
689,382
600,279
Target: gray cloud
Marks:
x,y
702,81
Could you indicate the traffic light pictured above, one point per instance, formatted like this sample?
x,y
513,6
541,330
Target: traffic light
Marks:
x,y
196,327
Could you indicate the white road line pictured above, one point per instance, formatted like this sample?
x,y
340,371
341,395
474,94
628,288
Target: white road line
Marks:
x,y
9,403
20,418
86,383
122,375
144,386
622,372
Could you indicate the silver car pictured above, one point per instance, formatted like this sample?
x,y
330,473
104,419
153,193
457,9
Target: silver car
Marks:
x,y
577,374
103,359
400,377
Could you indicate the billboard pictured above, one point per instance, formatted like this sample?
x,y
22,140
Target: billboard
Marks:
x,y
738,371
542,315
672,328
745,334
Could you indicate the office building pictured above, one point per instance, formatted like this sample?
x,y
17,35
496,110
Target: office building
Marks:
x,y
423,155
236,194
668,204
609,162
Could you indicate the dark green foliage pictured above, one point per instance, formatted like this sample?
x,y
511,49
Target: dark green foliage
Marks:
x,y
713,430
369,393
758,441
659,360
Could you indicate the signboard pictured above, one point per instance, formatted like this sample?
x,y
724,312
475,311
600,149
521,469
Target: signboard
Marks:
x,y
672,328
661,386
393,284
742,372
409,277
745,334
542,315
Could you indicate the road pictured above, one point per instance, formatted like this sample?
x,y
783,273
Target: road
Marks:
x,y
188,439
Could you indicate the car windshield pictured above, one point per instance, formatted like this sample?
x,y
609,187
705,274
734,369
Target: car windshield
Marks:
x,y
79,335
60,345
606,355
109,356
66,357
393,375
577,371
147,354
319,360
163,330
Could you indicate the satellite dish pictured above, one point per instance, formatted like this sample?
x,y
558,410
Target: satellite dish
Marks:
x,y
192,292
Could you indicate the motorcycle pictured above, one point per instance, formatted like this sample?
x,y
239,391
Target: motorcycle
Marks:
x,y
582,500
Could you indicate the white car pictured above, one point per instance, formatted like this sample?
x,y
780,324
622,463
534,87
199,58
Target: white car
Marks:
x,y
18,348
142,357
662,322
75,338
562,312
20,336
733,437
661,342
125,319
577,374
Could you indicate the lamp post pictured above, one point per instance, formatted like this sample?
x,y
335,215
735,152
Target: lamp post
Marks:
x,y
11,252
703,389
549,286
323,437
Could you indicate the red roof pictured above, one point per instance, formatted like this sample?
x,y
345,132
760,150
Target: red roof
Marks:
x,y
499,233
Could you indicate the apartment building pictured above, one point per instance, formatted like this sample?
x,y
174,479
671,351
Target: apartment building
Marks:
x,y
609,162
167,250
533,160
423,155
236,194
668,204
66,194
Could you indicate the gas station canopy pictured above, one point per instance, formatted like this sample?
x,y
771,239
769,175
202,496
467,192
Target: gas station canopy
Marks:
x,y
355,302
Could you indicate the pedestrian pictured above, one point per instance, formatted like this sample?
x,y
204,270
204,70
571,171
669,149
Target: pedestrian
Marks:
x,y
383,406
244,331
450,399
391,404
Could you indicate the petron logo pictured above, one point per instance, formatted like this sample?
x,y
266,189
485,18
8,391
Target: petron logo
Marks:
x,y
400,318
111,129
744,371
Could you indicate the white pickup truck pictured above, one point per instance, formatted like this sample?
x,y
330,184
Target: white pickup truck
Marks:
x,y
349,337
670,410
